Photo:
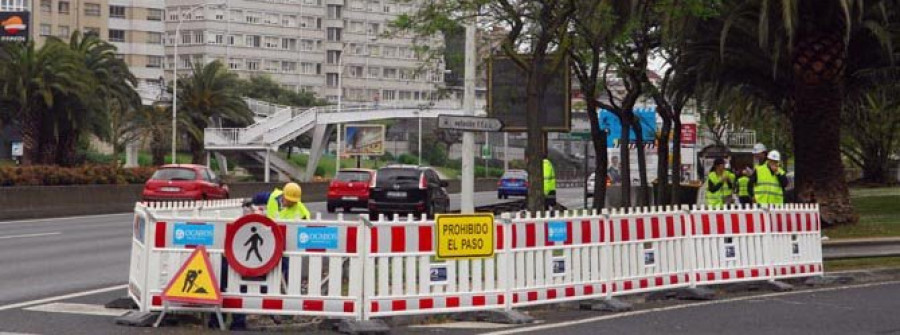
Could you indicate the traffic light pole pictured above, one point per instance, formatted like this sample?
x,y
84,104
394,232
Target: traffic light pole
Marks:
x,y
467,203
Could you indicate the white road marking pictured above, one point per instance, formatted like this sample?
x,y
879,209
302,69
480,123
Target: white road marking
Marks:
x,y
29,235
670,308
63,218
464,325
62,297
86,309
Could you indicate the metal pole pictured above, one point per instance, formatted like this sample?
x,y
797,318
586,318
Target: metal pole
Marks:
x,y
299,49
175,88
467,204
337,151
420,140
267,166
485,157
587,175
337,157
505,151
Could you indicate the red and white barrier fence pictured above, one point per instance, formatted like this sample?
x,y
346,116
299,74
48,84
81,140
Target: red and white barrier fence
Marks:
x,y
388,267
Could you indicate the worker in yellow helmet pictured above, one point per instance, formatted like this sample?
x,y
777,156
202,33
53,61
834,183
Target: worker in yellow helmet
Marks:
x,y
285,204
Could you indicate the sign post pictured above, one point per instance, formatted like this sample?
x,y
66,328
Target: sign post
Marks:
x,y
254,245
465,236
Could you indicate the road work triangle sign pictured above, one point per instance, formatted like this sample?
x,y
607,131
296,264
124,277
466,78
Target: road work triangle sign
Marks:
x,y
195,283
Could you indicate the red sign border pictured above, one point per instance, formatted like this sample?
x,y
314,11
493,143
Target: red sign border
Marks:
x,y
212,275
232,229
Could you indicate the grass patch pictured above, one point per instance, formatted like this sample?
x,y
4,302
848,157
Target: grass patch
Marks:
x,y
879,216
862,263
874,192
326,165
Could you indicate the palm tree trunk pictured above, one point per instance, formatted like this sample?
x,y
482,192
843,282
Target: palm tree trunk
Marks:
x,y
196,150
48,139
676,157
30,138
662,168
67,144
643,194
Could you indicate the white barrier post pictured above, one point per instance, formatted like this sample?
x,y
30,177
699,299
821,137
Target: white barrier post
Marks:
x,y
692,244
505,261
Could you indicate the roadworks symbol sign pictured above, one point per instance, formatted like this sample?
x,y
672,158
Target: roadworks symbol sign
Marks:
x,y
464,235
195,282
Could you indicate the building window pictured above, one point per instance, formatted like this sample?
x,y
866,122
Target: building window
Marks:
x,y
405,95
307,45
272,42
154,61
374,72
232,40
289,67
46,6
272,18
356,71
186,37
390,52
334,34
252,17
91,9
219,15
63,31
45,30
334,57
331,79
154,38
289,20
235,63
272,65
252,41
390,73
374,50
63,7
117,11
334,12
308,68
154,14
373,29
389,95
289,44
116,35
253,64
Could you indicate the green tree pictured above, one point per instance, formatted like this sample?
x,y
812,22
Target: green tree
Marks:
x,y
262,87
872,131
210,91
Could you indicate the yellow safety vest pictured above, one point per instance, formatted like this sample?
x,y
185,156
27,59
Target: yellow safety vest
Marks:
x,y
274,210
717,198
743,186
767,189
549,177
728,190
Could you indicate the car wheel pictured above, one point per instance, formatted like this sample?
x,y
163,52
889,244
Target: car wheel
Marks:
x,y
330,209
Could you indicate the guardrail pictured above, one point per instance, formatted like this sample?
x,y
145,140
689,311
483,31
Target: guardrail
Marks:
x,y
388,267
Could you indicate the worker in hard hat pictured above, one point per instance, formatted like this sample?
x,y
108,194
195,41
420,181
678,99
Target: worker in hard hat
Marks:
x,y
759,154
719,184
286,204
743,186
768,183
549,183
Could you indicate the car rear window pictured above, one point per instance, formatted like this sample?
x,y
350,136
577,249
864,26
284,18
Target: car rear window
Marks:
x,y
515,175
174,174
351,176
390,176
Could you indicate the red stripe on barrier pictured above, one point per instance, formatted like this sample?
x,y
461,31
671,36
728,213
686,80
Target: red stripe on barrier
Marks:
x,y
720,223
640,229
783,271
623,227
627,285
452,301
479,300
425,234
726,275
818,222
812,268
426,303
767,272
398,305
515,298
602,223
793,270
532,296
156,300
644,283
501,299
802,269
698,277
232,303
272,304
654,227
530,235
351,239
705,220
588,290
762,221
499,237
551,294
670,226
515,238
740,273
790,223
348,307
570,291
673,279
684,223
798,218
735,223
398,239
687,277
659,281
160,238
779,221
586,231
754,273
751,225
809,222
603,288
373,241
374,306
313,305
710,276
570,234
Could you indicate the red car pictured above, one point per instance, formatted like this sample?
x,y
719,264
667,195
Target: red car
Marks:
x,y
184,182
350,188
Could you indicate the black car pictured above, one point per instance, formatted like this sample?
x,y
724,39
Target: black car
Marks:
x,y
407,189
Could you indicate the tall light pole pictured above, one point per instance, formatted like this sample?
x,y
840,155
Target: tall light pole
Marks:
x,y
467,203
175,75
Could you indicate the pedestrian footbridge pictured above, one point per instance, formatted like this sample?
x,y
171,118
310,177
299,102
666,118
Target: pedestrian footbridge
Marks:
x,y
277,125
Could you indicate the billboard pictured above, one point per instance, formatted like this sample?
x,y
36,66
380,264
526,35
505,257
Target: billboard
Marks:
x,y
363,140
610,122
15,26
506,95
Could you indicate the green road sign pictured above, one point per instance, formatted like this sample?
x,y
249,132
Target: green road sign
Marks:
x,y
575,136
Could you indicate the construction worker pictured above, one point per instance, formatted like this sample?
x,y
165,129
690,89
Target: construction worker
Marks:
x,y
759,154
719,184
743,186
285,204
549,183
769,181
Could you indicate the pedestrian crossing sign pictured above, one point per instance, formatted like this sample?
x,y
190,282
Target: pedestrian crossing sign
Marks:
x,y
195,282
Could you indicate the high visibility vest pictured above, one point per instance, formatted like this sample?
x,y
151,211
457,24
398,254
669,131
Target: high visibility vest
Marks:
x,y
730,177
743,186
716,198
275,211
767,190
549,177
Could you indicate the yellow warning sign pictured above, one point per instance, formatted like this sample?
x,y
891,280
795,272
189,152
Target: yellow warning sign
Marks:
x,y
195,282
464,235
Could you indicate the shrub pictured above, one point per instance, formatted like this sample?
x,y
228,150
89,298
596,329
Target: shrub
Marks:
x,y
408,159
88,174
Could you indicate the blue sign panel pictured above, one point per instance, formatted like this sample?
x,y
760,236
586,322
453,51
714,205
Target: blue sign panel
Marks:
x,y
193,234
557,231
317,238
610,123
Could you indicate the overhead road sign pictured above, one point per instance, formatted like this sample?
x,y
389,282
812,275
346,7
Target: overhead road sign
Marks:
x,y
464,236
254,245
469,123
195,282
507,95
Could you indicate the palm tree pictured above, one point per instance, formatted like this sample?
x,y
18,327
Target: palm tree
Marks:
x,y
154,124
210,92
793,56
31,82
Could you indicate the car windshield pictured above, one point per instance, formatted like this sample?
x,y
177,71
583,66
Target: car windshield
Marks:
x,y
174,174
515,175
352,176
390,176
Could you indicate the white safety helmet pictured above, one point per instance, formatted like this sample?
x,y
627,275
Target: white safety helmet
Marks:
x,y
774,155
759,148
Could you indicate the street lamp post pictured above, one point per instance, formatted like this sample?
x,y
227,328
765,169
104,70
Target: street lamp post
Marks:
x,y
175,75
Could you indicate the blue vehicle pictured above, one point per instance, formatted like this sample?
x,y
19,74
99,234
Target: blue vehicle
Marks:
x,y
513,182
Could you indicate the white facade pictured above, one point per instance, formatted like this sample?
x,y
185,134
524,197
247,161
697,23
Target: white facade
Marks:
x,y
316,45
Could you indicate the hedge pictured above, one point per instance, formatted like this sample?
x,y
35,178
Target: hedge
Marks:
x,y
89,174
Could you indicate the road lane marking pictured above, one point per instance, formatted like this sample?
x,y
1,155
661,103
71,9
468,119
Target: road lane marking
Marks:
x,y
677,307
84,309
29,235
64,218
62,297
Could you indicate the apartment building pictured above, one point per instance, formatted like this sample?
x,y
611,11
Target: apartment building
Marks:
x,y
61,17
323,46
